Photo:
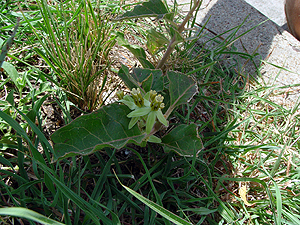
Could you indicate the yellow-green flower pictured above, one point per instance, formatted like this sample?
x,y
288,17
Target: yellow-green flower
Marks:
x,y
146,110
137,97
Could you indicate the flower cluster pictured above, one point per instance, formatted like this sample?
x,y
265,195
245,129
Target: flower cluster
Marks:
x,y
146,110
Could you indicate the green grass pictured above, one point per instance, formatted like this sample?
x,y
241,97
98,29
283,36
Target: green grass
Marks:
x,y
268,159
75,39
248,140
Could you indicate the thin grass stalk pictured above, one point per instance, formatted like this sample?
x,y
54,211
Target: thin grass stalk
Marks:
x,y
171,45
80,63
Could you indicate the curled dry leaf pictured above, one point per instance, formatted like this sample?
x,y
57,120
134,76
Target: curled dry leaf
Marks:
x,y
243,195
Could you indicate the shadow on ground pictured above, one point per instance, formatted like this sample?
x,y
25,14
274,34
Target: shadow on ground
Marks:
x,y
224,15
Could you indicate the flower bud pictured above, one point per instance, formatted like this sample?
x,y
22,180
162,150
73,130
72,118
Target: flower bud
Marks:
x,y
135,92
157,103
120,95
152,95
159,98
137,97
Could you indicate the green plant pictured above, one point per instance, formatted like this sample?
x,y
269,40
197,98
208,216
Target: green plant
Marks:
x,y
204,112
109,126
115,125
163,37
76,40
145,84
146,110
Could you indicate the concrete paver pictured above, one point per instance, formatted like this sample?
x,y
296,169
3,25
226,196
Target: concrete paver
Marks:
x,y
274,9
274,44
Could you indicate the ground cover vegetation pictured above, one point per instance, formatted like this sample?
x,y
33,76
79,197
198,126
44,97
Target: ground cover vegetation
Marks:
x,y
190,138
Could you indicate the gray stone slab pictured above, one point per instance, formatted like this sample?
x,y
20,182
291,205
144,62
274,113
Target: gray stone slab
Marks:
x,y
273,43
273,9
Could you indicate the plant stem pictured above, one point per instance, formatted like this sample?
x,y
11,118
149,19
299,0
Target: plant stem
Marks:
x,y
8,43
171,45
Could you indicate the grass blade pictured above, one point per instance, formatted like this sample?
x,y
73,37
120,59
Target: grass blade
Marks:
x,y
91,211
8,43
28,214
157,208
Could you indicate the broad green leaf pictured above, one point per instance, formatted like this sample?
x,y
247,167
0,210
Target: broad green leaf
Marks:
x,y
136,50
161,117
132,122
157,208
155,40
27,214
184,140
147,98
10,98
140,54
128,98
12,72
178,36
139,112
152,8
181,88
106,127
127,78
150,121
154,139
130,104
146,79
